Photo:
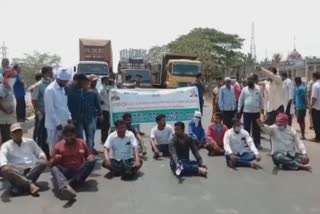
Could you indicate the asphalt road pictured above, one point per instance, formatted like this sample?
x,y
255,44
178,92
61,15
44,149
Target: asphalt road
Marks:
x,y
225,191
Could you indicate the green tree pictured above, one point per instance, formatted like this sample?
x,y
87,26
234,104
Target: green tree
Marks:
x,y
32,64
155,53
276,58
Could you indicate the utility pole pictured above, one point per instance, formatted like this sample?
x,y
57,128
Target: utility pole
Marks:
x,y
253,43
4,50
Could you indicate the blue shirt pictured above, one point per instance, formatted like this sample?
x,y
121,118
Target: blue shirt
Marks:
x,y
200,91
18,87
197,132
90,107
300,98
227,99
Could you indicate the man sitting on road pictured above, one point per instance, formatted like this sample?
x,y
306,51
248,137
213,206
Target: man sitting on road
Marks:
x,y
179,148
239,147
215,135
22,162
125,161
128,119
288,151
196,131
160,136
71,163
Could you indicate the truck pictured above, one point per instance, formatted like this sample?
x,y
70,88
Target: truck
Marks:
x,y
95,57
176,71
133,63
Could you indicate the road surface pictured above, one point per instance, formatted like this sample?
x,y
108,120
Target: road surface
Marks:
x,y
157,191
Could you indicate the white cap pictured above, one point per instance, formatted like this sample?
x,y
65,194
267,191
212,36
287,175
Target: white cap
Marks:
x,y
197,114
15,127
64,74
227,79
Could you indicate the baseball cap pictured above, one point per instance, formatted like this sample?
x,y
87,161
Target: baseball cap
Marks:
x,y
15,127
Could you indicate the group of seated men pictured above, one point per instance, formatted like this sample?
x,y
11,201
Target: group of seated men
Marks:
x,y
22,161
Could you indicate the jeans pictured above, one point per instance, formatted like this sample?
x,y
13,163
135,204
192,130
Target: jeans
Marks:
x,y
122,167
250,122
316,122
287,161
5,132
243,160
190,167
63,176
21,108
89,128
164,149
227,118
22,178
105,126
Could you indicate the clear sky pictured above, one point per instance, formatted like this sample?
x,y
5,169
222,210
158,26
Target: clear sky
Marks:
x,y
56,25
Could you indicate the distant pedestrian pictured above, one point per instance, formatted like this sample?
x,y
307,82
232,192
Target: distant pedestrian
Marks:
x,y
201,90
309,91
32,89
227,102
301,104
105,106
56,107
9,74
315,105
287,96
215,97
251,101
19,93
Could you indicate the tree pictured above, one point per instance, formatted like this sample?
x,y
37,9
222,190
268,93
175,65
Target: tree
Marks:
x,y
32,64
214,49
155,53
276,58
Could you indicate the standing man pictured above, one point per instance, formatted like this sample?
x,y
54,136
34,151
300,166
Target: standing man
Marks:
x,y
71,163
19,93
309,91
227,102
274,99
179,148
125,161
7,113
56,107
288,92
237,90
215,97
160,136
239,147
9,74
22,162
315,105
138,80
32,90
200,88
38,105
251,101
301,103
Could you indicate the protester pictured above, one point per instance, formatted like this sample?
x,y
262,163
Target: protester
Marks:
x,y
239,147
90,112
251,101
237,90
179,148
274,100
37,97
315,105
215,97
7,114
9,74
301,103
200,88
125,161
138,81
93,82
287,98
128,119
105,106
22,162
215,135
227,102
309,91
19,93
288,151
196,131
160,136
32,89
71,163
56,107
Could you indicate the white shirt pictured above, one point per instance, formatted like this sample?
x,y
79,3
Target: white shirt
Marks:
x,y
104,98
55,106
274,98
288,92
316,94
122,148
251,100
238,143
23,156
286,141
162,136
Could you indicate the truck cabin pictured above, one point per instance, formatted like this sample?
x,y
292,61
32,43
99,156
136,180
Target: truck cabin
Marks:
x,y
139,77
92,67
183,67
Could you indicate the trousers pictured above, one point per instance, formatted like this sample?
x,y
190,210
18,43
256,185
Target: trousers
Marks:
x,y
286,161
21,108
189,167
5,132
250,122
105,126
243,160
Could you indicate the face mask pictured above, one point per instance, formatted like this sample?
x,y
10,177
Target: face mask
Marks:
x,y
250,84
281,128
218,127
237,129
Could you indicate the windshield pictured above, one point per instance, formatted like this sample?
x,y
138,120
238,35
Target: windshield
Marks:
x,y
97,69
186,69
146,76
